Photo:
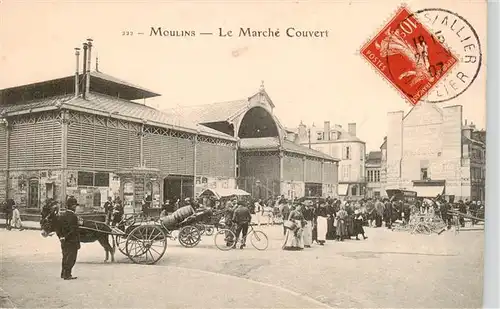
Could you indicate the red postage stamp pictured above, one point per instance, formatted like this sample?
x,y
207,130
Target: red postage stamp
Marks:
x,y
409,56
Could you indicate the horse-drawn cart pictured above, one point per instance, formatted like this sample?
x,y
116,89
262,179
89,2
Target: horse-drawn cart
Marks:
x,y
144,239
143,243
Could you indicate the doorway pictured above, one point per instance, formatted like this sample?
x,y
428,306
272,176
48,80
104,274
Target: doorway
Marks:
x,y
33,201
178,187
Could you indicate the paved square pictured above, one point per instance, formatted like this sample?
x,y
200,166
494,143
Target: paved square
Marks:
x,y
389,269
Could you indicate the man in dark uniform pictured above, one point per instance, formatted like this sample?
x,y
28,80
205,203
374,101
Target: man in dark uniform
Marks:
x,y
242,218
70,239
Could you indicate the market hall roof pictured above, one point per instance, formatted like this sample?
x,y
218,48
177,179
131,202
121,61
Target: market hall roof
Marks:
x,y
99,82
108,106
219,111
273,143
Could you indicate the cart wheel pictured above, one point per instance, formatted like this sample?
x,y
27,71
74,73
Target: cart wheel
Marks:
x,y
121,243
259,240
224,239
189,236
146,244
209,230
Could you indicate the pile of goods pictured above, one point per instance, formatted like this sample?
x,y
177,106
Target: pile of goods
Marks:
x,y
422,223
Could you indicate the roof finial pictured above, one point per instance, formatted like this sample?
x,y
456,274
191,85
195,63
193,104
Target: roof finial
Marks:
x,y
262,85
97,62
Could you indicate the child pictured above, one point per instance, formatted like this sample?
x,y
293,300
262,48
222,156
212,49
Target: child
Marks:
x,y
16,219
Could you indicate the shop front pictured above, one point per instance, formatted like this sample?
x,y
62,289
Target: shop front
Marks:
x,y
140,184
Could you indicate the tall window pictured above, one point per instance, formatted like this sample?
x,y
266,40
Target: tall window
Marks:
x,y
347,153
424,174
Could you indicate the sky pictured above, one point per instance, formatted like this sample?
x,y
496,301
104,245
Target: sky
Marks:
x,y
309,80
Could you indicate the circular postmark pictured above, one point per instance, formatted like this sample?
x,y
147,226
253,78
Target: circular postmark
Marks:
x,y
456,33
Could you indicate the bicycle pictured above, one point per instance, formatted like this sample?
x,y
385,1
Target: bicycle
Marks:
x,y
205,229
224,239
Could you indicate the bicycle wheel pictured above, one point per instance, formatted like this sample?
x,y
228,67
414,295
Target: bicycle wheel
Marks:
x,y
224,239
209,230
259,240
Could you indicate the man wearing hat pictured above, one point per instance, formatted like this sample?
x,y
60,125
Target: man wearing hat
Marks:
x,y
70,239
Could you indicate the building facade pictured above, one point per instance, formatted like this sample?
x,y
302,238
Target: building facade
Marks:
x,y
85,136
373,168
345,145
432,151
270,162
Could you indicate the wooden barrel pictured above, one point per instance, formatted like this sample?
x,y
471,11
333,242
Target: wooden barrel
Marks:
x,y
169,222
182,213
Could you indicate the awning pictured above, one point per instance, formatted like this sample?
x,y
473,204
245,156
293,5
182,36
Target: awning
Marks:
x,y
342,189
428,191
219,193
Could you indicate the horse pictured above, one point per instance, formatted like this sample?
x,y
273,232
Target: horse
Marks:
x,y
50,225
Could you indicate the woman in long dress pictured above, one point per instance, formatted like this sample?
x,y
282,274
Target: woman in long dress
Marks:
x,y
308,214
322,224
341,224
293,238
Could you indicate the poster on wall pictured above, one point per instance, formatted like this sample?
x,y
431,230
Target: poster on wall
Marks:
x,y
71,180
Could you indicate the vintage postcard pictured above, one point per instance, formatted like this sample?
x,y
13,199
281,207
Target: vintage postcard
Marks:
x,y
246,154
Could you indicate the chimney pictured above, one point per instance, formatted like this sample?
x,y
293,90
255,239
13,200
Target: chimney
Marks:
x,y
302,131
467,131
89,58
326,136
77,83
84,75
351,128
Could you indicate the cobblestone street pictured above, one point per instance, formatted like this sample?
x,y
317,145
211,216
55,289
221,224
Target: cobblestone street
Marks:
x,y
389,269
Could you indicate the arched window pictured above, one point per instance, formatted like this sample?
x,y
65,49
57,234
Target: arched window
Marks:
x,y
258,122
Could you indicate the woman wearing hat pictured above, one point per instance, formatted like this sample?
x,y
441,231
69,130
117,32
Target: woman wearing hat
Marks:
x,y
293,237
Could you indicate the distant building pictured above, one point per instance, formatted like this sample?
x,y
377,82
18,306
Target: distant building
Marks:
x,y
373,167
376,172
432,151
336,142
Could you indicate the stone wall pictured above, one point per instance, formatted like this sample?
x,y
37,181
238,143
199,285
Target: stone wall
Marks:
x,y
394,148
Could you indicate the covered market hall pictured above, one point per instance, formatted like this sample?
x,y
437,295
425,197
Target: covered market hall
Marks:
x,y
85,135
